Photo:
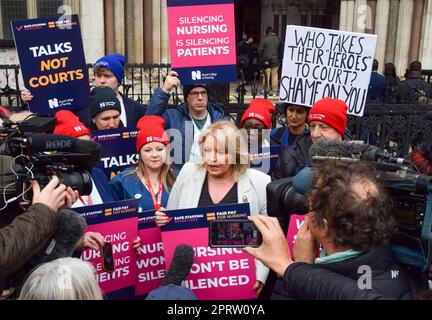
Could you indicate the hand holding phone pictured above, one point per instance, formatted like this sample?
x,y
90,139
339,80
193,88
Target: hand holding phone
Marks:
x,y
238,233
107,257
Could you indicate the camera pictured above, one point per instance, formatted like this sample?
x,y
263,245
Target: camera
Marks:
x,y
410,192
28,153
238,233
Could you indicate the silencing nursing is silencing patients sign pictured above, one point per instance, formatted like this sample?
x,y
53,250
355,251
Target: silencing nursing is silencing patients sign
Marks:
x,y
322,63
52,61
202,40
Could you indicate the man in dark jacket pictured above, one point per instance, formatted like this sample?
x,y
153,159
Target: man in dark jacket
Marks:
x,y
188,119
327,119
109,72
350,219
268,51
377,85
414,89
31,231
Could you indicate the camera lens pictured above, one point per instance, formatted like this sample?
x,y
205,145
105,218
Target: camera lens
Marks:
x,y
80,181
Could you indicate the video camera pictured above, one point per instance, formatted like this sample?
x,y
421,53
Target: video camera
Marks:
x,y
27,153
410,192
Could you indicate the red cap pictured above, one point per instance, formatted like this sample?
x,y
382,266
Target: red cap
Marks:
x,y
151,129
330,111
68,124
260,109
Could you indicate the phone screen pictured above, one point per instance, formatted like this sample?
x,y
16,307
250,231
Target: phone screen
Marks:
x,y
234,233
107,257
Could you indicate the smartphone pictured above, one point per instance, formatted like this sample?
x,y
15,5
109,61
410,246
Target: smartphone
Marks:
x,y
107,257
237,233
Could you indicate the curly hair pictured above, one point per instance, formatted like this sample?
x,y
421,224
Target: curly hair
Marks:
x,y
356,208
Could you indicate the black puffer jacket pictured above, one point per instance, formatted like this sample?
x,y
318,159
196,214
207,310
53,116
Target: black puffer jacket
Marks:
x,y
339,280
293,159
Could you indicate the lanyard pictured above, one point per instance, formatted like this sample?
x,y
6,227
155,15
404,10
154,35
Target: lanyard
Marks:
x,y
89,200
156,204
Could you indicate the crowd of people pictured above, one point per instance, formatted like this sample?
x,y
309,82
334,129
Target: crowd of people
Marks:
x,y
209,164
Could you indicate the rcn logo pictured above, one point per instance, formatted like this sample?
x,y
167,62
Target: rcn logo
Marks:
x,y
196,75
53,103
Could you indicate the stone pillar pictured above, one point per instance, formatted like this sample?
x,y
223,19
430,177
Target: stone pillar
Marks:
x,y
266,16
109,27
92,29
138,31
406,8
351,16
165,53
31,9
129,31
343,15
381,24
148,31
416,30
425,54
74,5
119,23
392,30
156,31
371,19
361,15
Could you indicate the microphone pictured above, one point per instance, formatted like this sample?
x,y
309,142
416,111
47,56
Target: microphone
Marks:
x,y
69,232
91,148
181,265
48,142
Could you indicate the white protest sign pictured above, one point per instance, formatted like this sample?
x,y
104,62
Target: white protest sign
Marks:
x,y
321,63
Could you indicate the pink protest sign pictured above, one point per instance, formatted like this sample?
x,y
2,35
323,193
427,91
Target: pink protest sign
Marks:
x,y
295,223
150,259
217,273
202,40
117,222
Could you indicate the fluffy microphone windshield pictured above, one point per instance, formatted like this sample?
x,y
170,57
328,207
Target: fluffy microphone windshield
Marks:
x,y
326,148
181,265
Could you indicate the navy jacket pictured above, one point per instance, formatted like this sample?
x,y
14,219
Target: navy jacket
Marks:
x,y
134,111
377,86
102,185
176,119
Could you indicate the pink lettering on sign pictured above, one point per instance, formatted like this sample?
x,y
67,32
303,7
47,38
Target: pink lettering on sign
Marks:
x,y
150,261
217,273
120,234
202,35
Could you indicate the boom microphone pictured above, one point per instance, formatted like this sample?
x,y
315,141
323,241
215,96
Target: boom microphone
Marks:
x,y
181,265
90,147
41,142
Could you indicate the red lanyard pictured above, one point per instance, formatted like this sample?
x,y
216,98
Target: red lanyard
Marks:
x,y
156,204
89,200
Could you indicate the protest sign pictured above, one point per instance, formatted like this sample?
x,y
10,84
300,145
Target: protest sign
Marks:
x,y
117,222
52,61
202,40
150,259
265,159
217,273
321,63
295,223
118,150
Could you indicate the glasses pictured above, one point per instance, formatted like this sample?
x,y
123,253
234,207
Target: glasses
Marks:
x,y
195,94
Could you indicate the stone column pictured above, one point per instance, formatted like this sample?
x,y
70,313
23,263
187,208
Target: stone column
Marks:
x,y
425,54
343,15
416,30
92,29
351,15
31,9
371,19
266,16
381,24
361,15
392,32
129,30
138,31
165,57
119,23
109,27
406,8
156,31
75,6
148,31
